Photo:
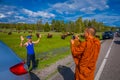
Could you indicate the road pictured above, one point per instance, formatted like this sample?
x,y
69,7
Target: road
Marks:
x,y
111,70
108,64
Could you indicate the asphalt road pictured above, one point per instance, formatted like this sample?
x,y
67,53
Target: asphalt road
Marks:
x,y
111,70
107,67
108,64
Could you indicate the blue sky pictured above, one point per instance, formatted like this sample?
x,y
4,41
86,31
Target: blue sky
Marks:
x,y
29,11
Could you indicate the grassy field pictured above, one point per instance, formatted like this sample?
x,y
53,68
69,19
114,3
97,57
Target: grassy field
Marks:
x,y
47,50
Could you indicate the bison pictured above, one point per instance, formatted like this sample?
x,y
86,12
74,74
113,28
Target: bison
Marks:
x,y
9,33
49,35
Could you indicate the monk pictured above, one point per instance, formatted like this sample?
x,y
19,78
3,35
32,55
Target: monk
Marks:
x,y
85,55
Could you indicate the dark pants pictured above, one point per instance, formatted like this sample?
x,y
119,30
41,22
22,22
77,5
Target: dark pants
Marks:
x,y
31,57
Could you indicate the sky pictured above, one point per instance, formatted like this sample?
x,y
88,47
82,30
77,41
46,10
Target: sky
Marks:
x,y
30,11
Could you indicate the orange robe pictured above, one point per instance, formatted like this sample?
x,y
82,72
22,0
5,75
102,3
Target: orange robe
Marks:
x,y
85,56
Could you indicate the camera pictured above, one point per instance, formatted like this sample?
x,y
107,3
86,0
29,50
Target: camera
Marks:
x,y
73,37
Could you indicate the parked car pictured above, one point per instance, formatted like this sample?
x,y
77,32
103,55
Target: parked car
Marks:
x,y
117,33
108,35
11,66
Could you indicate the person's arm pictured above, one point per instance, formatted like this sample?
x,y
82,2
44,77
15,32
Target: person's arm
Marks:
x,y
77,50
35,42
22,40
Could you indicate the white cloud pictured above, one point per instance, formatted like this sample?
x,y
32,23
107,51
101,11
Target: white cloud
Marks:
x,y
10,12
2,15
26,11
19,17
87,6
106,18
15,14
99,4
88,10
38,14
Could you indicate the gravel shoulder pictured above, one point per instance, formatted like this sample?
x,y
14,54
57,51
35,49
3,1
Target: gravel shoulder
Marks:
x,y
53,72
49,73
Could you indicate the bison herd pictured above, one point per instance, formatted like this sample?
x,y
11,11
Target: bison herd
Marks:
x,y
49,35
63,36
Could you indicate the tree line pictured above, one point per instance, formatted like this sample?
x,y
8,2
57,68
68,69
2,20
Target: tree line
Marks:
x,y
57,26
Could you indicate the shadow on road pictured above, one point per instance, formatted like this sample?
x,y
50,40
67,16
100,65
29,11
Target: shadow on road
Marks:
x,y
117,42
33,76
66,72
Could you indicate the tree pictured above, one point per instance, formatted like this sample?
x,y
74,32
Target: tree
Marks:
x,y
62,26
53,25
79,25
18,28
86,22
39,25
46,27
71,27
57,26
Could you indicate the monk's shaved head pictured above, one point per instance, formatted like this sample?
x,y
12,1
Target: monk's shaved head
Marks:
x,y
91,31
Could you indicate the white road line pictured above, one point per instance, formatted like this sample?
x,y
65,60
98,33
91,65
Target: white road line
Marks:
x,y
100,70
109,50
103,63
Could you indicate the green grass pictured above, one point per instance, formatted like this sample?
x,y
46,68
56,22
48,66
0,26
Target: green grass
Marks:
x,y
100,34
45,45
51,49
53,59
